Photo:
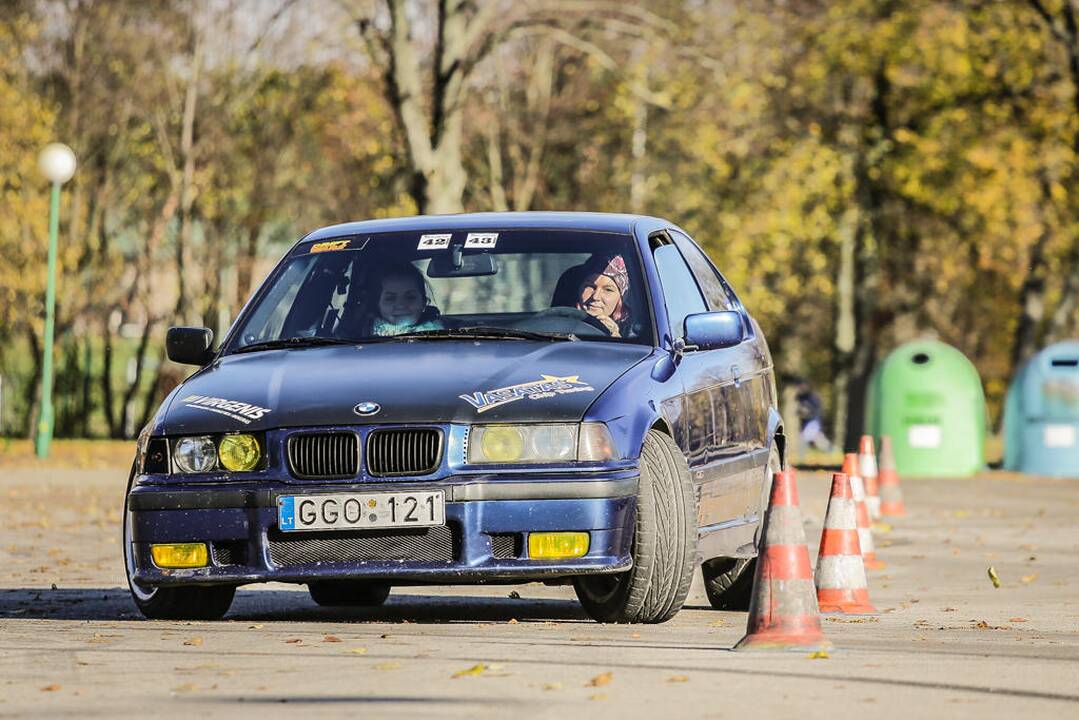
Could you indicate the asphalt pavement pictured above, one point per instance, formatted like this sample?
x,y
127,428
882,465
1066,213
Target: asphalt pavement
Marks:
x,y
946,643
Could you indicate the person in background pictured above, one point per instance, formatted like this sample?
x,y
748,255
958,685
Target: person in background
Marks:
x,y
809,416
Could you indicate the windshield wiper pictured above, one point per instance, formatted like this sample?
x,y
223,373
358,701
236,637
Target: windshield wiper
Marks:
x,y
293,342
482,331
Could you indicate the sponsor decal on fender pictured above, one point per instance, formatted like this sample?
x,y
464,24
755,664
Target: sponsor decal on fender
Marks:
x,y
241,411
547,386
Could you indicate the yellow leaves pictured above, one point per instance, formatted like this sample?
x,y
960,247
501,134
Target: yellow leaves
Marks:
x,y
477,669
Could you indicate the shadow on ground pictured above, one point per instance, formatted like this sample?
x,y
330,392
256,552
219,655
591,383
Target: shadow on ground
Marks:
x,y
291,606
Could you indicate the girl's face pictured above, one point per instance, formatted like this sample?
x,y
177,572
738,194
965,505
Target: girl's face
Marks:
x,y
600,297
401,301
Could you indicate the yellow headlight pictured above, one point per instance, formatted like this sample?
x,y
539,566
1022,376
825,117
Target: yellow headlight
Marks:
x,y
552,545
502,443
180,555
239,452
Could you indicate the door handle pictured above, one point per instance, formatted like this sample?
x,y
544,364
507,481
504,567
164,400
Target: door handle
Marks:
x,y
736,373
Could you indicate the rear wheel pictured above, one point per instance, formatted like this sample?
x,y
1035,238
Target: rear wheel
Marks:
x,y
171,603
728,582
356,593
664,544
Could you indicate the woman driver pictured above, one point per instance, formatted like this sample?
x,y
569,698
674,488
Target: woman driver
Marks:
x,y
602,295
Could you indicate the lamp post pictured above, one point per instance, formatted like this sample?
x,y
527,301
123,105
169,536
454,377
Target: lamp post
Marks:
x,y
57,163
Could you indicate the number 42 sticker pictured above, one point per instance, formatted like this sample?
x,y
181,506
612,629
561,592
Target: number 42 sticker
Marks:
x,y
481,240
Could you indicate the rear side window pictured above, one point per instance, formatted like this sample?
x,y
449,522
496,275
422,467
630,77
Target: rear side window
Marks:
x,y
680,291
715,293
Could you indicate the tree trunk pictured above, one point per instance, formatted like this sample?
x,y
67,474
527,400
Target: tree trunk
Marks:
x,y
845,325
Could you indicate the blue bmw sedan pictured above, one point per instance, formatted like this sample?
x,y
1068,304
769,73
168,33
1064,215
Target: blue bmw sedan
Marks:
x,y
489,398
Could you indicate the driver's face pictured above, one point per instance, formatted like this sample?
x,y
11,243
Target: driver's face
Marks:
x,y
401,301
599,296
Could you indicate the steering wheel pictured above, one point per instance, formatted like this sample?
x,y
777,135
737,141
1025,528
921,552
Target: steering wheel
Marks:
x,y
564,320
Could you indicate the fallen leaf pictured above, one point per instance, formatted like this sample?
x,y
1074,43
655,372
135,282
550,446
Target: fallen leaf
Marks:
x,y
51,688
598,696
477,669
388,666
993,577
552,686
819,655
1027,579
514,595
186,687
257,626
358,651
330,638
601,680
678,678
294,641
512,621
194,642
719,623
1017,619
634,635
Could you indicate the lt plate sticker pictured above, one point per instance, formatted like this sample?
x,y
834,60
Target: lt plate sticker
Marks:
x,y
434,242
547,386
481,240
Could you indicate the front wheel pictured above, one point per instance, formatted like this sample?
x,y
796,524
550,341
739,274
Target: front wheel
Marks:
x,y
664,545
171,603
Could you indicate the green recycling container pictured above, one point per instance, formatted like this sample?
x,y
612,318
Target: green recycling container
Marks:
x,y
927,396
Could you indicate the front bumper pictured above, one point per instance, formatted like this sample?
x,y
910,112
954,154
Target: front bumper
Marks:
x,y
485,539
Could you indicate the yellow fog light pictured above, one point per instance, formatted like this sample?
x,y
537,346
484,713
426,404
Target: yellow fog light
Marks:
x,y
502,443
239,452
557,544
180,555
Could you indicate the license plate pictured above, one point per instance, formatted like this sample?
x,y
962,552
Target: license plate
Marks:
x,y
358,511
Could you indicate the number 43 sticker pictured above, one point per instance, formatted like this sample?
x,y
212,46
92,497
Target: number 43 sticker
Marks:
x,y
481,240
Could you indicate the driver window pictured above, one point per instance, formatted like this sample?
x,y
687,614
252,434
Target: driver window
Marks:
x,y
681,294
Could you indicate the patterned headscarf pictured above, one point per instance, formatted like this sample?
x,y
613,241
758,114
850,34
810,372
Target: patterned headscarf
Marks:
x,y
615,269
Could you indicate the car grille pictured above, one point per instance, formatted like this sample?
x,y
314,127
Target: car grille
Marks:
x,y
324,455
505,545
435,544
413,451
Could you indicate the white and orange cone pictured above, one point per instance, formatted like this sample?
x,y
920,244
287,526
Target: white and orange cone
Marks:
x,y
783,611
841,583
865,533
867,468
891,497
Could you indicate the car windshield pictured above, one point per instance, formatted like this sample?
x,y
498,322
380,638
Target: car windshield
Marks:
x,y
555,285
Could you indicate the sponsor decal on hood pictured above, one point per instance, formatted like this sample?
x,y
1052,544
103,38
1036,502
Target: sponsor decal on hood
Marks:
x,y
241,411
547,386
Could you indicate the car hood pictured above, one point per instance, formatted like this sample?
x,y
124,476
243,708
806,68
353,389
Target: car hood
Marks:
x,y
411,382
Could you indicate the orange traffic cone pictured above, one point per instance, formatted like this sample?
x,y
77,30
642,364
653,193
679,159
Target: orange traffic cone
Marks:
x,y
783,611
865,534
867,468
891,497
840,576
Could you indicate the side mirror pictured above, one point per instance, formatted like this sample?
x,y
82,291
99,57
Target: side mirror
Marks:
x,y
713,330
190,345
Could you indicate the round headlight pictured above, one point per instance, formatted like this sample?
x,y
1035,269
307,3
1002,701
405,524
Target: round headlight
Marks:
x,y
195,454
239,453
554,442
502,444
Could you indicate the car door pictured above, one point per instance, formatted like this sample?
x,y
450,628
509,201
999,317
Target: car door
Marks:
x,y
740,413
707,384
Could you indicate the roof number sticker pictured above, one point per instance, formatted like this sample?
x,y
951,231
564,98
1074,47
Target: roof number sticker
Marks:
x,y
434,242
330,246
481,240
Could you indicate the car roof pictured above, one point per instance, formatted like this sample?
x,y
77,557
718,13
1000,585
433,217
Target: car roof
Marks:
x,y
597,222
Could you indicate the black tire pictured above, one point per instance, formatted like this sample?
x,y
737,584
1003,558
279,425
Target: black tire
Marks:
x,y
172,603
664,545
728,582
355,593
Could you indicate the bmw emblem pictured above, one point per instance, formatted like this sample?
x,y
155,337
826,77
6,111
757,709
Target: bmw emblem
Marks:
x,y
367,408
